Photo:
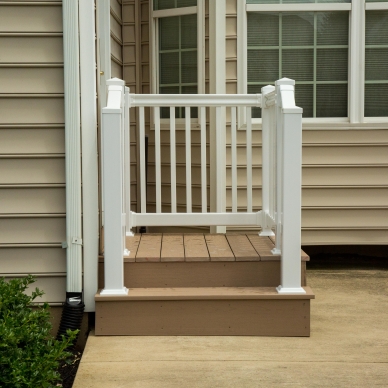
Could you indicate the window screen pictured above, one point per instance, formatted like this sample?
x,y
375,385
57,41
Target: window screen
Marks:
x,y
310,47
376,63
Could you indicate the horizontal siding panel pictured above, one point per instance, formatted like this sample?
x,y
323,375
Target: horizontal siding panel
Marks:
x,y
346,176
129,33
115,27
129,53
30,18
31,80
345,137
345,197
32,230
345,218
32,141
32,110
54,288
345,155
130,74
116,7
345,237
30,171
116,70
129,13
181,177
32,260
116,49
31,49
32,200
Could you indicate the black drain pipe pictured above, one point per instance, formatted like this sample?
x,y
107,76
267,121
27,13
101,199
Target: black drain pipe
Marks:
x,y
72,314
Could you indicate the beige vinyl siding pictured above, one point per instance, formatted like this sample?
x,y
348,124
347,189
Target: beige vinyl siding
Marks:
x,y
32,145
136,70
344,175
116,39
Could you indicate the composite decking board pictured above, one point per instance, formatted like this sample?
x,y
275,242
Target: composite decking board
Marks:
x,y
218,247
204,293
132,244
303,255
149,248
263,246
242,248
195,247
172,248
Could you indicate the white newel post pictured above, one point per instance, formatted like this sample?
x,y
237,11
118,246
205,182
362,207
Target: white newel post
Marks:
x,y
291,117
114,219
266,164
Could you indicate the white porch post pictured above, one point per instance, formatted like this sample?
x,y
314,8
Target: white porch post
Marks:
x,y
291,117
217,44
114,219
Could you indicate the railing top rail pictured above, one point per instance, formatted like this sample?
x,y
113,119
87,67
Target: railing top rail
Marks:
x,y
195,100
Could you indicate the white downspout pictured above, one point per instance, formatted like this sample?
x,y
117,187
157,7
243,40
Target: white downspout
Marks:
x,y
72,146
89,150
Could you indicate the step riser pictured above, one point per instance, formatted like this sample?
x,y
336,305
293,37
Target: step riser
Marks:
x,y
201,274
204,317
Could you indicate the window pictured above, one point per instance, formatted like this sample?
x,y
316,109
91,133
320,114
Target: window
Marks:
x,y
178,45
323,45
376,63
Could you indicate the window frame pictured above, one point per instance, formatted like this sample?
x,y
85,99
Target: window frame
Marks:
x,y
356,74
154,17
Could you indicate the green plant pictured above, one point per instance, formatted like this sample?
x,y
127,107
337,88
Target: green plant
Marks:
x,y
29,354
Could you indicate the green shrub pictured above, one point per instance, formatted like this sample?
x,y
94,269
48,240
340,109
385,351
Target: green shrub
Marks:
x,y
29,354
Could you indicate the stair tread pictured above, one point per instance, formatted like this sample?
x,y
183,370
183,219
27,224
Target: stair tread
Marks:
x,y
202,293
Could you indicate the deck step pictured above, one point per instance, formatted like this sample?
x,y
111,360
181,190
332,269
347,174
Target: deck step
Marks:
x,y
204,311
201,260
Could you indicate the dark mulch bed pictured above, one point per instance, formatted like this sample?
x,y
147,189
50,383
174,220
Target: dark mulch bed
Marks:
x,y
68,371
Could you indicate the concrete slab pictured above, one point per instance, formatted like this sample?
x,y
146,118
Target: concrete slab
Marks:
x,y
348,347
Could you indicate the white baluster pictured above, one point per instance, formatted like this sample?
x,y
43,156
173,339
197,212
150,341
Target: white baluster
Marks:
x,y
173,160
203,159
234,158
143,188
249,159
157,161
188,160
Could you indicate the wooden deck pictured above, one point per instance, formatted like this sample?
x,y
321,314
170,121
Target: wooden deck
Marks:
x,y
202,284
169,247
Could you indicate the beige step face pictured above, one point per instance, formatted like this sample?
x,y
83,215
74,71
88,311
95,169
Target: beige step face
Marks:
x,y
256,311
201,274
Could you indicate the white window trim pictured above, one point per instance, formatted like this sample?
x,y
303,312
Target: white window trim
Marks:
x,y
154,39
357,9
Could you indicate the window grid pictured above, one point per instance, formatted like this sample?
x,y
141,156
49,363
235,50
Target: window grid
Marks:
x,y
314,82
180,112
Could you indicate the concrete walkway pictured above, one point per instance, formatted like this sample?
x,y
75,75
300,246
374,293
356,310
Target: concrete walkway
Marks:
x,y
348,347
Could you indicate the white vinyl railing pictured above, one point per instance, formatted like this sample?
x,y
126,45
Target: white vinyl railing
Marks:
x,y
281,171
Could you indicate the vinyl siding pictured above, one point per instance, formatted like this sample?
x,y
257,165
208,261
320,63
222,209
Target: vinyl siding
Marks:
x,y
344,175
116,39
32,145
